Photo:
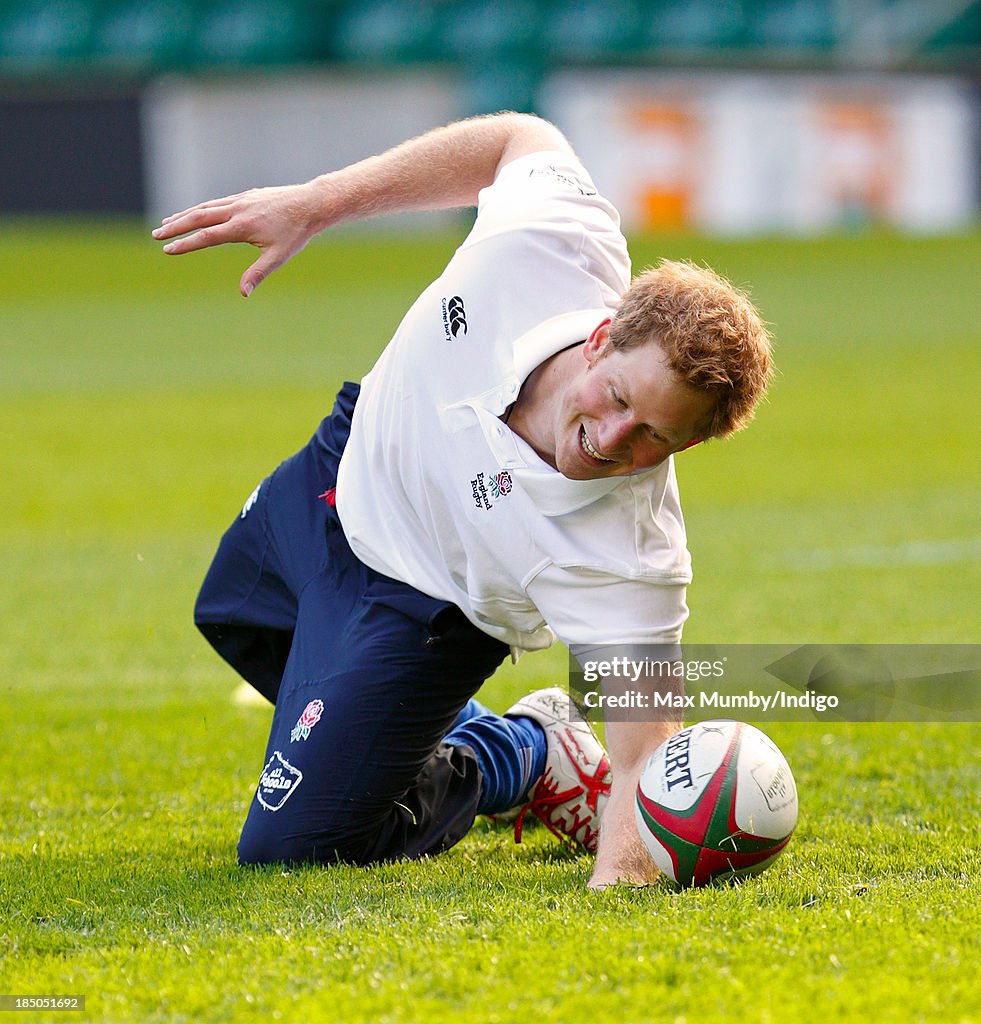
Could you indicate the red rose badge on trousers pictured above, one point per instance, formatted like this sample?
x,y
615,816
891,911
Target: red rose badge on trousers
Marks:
x,y
307,720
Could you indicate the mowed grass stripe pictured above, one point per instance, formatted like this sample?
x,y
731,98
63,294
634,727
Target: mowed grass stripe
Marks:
x,y
141,401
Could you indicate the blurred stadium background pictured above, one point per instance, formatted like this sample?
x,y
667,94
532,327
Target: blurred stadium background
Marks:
x,y
732,116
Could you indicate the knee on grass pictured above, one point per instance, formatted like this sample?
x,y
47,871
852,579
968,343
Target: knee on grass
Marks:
x,y
257,850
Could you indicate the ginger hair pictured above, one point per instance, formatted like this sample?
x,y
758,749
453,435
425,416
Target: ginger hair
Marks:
x,y
709,331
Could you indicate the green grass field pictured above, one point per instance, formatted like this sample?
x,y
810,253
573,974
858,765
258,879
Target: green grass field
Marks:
x,y
141,399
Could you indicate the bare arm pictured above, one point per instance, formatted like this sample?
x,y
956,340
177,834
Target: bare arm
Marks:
x,y
622,856
631,737
444,168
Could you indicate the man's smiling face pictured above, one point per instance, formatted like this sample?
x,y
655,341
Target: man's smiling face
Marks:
x,y
622,412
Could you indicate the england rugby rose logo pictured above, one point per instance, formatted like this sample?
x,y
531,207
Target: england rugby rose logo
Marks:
x,y
307,720
500,484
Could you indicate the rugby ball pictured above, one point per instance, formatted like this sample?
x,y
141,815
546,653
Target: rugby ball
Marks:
x,y
716,801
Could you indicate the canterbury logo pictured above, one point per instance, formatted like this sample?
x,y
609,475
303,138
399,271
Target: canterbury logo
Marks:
x,y
458,316
454,317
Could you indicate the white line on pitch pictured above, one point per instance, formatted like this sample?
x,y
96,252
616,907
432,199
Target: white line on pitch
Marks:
x,y
914,552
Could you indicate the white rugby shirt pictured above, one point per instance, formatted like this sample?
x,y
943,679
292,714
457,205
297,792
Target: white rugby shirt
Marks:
x,y
434,490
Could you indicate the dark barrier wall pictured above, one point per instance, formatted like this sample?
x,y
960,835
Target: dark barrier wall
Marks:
x,y
71,154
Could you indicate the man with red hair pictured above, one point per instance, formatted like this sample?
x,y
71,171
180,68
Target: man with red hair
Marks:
x,y
503,476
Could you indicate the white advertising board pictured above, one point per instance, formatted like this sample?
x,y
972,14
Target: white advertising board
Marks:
x,y
215,136
752,153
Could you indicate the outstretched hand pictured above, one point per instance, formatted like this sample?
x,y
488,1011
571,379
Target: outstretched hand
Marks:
x,y
278,221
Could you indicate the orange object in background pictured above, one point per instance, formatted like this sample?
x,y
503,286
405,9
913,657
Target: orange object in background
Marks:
x,y
663,150
860,158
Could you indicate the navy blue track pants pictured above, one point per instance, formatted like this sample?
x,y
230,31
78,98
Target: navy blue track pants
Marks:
x,y
367,675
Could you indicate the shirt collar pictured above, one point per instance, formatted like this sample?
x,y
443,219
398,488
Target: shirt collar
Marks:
x,y
553,335
553,493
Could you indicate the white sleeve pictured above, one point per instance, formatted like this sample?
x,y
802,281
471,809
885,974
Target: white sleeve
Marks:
x,y
550,191
585,608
